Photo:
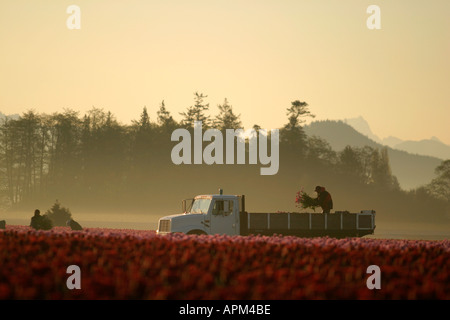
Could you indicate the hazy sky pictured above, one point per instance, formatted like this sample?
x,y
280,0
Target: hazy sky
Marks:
x,y
259,54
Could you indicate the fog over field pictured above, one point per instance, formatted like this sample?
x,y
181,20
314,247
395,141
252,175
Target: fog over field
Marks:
x,y
149,221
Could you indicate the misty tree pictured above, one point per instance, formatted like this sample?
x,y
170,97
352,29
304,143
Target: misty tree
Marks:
x,y
165,120
227,119
104,148
197,112
366,156
19,154
440,186
293,137
320,150
142,141
9,149
58,214
8,152
381,170
102,153
86,151
65,130
165,126
143,124
369,166
112,143
97,118
43,149
350,163
143,132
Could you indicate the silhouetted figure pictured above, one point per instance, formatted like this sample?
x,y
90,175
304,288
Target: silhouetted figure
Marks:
x,y
39,222
324,199
36,219
2,224
74,225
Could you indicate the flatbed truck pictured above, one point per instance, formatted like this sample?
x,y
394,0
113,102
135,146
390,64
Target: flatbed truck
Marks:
x,y
226,214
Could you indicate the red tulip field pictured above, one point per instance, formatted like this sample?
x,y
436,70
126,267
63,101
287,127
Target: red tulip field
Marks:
x,y
136,264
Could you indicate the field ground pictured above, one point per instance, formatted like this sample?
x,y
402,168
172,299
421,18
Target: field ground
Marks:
x,y
138,264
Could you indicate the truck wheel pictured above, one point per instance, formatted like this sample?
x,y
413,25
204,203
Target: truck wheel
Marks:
x,y
197,232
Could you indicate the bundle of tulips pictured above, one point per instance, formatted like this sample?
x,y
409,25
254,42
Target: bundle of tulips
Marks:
x,y
305,201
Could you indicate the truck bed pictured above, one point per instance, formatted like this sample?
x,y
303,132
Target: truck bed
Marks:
x,y
339,224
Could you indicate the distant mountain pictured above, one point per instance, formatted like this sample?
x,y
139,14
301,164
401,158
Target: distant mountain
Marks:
x,y
391,141
411,170
429,147
362,126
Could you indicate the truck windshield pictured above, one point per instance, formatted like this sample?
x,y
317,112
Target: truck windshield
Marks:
x,y
200,206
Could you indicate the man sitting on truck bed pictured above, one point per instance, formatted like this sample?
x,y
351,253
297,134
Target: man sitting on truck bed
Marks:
x,y
324,199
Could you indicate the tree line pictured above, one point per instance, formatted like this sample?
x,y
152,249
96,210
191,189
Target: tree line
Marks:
x,y
94,156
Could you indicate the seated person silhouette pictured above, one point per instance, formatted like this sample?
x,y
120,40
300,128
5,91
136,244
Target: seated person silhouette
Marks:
x,y
39,222
74,225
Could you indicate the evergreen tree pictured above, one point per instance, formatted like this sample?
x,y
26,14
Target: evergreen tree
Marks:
x,y
58,214
197,113
350,164
440,186
320,150
144,123
381,170
143,139
226,119
65,163
366,156
20,156
293,137
166,123
164,117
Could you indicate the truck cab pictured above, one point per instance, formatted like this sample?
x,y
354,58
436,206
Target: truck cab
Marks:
x,y
205,214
